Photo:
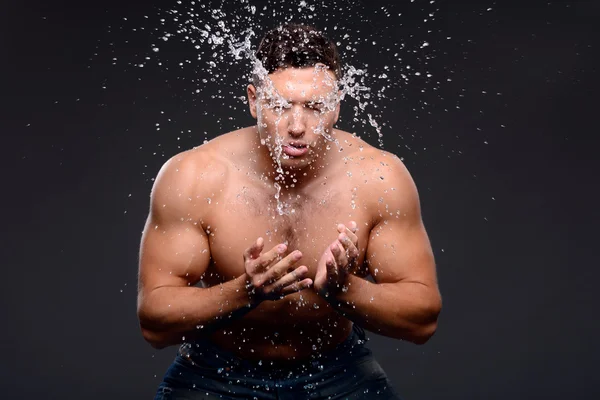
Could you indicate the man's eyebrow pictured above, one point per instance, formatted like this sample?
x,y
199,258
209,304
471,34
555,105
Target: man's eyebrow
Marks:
x,y
271,98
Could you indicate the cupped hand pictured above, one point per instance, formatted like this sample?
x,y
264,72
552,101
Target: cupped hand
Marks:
x,y
271,277
336,262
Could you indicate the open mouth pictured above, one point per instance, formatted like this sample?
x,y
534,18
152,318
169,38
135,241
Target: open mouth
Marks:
x,y
295,149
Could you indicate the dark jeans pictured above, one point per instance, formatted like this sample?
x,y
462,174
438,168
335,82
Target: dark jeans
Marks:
x,y
203,371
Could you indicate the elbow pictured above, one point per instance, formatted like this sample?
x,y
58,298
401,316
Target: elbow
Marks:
x,y
155,339
429,327
425,333
148,323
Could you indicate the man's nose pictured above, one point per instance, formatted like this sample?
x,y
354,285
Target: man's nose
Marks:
x,y
296,123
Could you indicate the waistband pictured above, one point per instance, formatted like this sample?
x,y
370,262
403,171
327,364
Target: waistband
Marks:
x,y
206,354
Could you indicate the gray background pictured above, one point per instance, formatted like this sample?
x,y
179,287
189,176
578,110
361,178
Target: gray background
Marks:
x,y
512,222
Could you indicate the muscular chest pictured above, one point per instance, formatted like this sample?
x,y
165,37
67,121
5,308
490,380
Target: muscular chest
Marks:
x,y
304,222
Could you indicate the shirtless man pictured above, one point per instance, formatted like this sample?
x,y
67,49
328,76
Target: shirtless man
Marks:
x,y
269,296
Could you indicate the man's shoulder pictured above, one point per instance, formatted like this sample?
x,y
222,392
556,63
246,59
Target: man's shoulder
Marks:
x,y
377,164
196,164
196,171
206,161
384,176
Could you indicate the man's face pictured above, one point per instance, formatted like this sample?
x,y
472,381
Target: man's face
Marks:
x,y
295,113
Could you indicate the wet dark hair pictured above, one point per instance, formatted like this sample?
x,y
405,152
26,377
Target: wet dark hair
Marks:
x,y
298,46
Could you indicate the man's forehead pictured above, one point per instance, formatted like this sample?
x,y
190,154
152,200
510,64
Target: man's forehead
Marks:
x,y
317,69
308,82
303,96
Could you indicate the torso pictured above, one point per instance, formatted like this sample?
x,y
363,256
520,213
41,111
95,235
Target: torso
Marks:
x,y
245,208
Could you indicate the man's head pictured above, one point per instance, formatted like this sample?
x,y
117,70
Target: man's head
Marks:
x,y
296,46
295,100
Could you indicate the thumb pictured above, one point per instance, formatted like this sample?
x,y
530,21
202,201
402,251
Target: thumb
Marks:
x,y
254,251
320,275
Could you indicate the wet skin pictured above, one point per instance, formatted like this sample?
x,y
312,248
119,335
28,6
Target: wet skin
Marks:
x,y
215,222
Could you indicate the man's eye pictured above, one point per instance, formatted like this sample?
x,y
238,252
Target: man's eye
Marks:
x,y
315,106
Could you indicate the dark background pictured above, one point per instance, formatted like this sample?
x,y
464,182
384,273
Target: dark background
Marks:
x,y
503,153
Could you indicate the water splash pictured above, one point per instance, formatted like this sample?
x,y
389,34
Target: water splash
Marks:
x,y
351,84
221,36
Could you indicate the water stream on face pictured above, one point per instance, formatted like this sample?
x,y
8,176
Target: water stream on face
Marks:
x,y
223,37
269,97
227,41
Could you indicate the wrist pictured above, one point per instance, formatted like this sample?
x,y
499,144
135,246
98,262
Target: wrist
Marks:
x,y
335,293
243,290
251,297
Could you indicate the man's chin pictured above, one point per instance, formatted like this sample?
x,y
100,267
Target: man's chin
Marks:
x,y
295,164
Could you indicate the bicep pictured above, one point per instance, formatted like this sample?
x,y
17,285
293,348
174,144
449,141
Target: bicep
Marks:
x,y
400,251
398,247
172,253
174,249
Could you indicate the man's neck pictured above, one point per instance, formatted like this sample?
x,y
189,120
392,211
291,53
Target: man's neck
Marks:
x,y
292,179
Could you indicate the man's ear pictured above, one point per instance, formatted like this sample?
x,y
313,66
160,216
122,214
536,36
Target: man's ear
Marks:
x,y
337,108
251,90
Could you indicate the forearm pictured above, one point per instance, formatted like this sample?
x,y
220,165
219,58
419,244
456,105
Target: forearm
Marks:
x,y
403,310
171,315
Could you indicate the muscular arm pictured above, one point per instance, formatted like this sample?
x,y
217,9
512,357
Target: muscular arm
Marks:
x,y
404,303
174,254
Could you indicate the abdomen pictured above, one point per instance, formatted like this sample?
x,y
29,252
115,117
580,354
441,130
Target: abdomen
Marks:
x,y
289,329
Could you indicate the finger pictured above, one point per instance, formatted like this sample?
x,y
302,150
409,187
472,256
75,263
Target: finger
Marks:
x,y
321,275
346,241
268,258
352,251
331,267
351,230
339,254
353,226
253,251
288,279
297,286
279,269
